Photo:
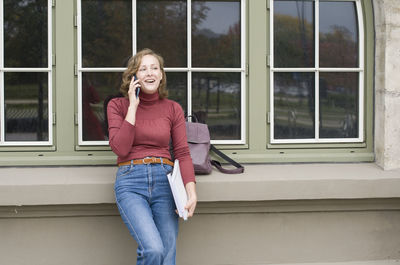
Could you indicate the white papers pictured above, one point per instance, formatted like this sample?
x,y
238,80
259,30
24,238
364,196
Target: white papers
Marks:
x,y
178,190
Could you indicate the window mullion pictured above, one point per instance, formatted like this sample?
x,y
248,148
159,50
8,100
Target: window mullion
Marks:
x,y
189,34
189,93
26,70
189,57
134,25
213,70
243,34
50,106
271,65
1,36
316,84
49,66
80,110
79,32
361,107
2,114
1,74
102,69
361,74
79,96
49,35
271,103
317,106
361,34
176,69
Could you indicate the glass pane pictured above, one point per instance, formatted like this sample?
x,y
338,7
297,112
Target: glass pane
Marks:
x,y
106,32
26,106
177,88
25,33
95,88
162,27
216,101
294,105
338,34
216,33
338,105
294,33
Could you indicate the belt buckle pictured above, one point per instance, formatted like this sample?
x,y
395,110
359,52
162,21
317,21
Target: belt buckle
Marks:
x,y
152,160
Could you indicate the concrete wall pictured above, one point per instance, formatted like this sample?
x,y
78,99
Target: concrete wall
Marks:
x,y
387,83
273,214
247,233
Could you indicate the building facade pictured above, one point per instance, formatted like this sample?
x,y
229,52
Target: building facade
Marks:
x,y
304,93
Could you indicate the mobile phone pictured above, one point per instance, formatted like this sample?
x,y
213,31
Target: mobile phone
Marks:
x,y
138,88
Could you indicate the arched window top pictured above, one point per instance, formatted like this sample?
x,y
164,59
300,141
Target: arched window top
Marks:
x,y
317,70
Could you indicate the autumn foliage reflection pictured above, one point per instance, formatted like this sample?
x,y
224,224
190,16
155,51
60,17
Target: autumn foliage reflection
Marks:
x,y
338,91
106,32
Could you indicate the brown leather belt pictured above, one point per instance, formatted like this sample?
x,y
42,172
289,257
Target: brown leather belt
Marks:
x,y
147,160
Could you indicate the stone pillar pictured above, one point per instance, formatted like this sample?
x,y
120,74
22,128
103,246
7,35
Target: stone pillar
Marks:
x,y
387,83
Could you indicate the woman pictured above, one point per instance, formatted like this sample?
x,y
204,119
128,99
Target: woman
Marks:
x,y
140,129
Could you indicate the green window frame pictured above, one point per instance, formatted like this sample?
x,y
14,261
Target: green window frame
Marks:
x,y
317,79
257,147
214,86
26,101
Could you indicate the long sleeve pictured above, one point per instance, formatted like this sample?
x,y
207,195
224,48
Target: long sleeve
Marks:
x,y
121,132
180,145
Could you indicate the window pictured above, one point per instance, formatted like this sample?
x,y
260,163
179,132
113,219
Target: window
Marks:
x,y
204,59
25,73
275,80
317,71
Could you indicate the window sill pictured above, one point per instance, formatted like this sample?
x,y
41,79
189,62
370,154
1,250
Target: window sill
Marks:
x,y
260,182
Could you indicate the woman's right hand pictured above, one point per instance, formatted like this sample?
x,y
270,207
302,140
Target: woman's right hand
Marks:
x,y
133,101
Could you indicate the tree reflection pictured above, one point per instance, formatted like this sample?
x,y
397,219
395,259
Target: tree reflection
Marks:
x,y
293,41
25,33
211,49
339,105
294,115
26,45
26,106
294,47
161,26
216,101
106,32
338,48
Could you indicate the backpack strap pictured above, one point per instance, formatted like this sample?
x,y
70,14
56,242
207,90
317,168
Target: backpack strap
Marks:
x,y
239,168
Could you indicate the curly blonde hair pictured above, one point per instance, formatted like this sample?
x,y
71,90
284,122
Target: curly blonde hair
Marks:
x,y
133,67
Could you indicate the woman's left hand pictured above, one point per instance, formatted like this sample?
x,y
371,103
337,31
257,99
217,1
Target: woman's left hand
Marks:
x,y
192,198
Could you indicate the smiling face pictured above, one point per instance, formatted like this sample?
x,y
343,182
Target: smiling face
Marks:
x,y
149,74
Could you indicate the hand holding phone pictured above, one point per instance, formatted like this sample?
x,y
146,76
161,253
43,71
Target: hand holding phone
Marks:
x,y
138,88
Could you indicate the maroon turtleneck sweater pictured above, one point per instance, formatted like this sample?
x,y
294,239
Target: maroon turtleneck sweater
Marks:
x,y
157,121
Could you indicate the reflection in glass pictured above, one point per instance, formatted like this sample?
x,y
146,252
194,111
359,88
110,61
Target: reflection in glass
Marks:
x,y
106,33
26,106
338,105
162,27
216,33
338,34
95,88
25,33
294,106
294,33
216,101
177,88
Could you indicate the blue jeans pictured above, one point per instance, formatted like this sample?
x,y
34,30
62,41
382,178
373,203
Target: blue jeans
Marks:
x,y
147,207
